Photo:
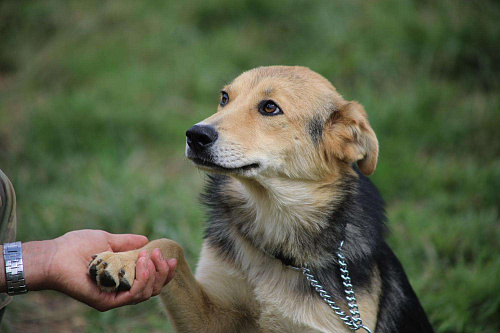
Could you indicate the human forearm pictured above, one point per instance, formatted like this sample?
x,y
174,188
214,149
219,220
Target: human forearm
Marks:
x,y
36,256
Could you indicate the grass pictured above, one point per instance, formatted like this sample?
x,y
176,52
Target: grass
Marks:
x,y
95,98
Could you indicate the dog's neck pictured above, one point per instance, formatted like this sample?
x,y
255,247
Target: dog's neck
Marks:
x,y
296,223
282,213
301,221
289,202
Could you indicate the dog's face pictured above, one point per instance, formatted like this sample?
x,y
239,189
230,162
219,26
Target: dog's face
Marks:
x,y
283,121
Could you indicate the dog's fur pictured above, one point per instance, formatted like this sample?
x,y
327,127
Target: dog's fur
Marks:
x,y
283,190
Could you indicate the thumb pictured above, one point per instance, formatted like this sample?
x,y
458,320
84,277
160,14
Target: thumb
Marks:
x,y
126,242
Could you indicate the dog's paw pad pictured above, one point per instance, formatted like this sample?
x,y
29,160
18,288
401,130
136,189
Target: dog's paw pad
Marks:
x,y
107,280
113,271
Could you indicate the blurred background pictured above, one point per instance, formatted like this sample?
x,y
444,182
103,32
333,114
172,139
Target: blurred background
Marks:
x,y
95,98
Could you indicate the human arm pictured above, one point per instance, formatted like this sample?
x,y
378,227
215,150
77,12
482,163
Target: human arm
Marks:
x,y
61,264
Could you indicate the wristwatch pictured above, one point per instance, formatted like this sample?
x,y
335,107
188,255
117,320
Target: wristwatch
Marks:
x,y
14,269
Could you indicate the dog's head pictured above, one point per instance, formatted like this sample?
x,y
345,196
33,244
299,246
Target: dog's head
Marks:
x,y
283,121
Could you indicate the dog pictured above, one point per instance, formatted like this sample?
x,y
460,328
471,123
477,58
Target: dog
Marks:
x,y
288,160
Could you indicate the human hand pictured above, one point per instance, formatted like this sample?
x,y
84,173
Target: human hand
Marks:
x,y
66,262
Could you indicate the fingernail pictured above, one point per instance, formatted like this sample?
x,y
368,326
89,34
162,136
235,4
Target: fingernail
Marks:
x,y
161,256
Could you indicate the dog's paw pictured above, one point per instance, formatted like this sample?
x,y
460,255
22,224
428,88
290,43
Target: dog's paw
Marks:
x,y
113,271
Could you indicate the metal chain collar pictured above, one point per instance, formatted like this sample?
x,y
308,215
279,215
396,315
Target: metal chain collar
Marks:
x,y
353,321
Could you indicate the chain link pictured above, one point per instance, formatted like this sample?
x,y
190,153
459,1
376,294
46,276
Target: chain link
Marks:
x,y
353,321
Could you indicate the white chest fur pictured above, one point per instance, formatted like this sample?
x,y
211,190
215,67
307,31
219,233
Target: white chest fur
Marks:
x,y
269,291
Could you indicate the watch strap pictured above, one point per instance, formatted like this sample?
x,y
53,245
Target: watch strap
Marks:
x,y
14,269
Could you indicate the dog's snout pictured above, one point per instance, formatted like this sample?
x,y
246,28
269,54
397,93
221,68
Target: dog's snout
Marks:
x,y
201,136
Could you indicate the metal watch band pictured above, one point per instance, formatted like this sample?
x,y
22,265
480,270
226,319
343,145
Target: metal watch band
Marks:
x,y
14,269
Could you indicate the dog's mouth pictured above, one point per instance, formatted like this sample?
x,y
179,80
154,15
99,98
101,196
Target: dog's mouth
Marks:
x,y
210,165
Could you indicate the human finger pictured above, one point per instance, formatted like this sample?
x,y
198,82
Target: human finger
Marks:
x,y
142,277
161,270
147,291
141,254
172,265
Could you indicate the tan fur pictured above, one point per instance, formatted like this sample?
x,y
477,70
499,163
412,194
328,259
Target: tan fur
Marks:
x,y
289,193
352,139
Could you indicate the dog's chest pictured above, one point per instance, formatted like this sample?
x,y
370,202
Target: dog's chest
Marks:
x,y
285,308
271,292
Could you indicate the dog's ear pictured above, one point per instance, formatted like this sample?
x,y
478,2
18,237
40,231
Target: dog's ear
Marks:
x,y
350,138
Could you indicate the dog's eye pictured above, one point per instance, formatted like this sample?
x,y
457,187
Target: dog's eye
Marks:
x,y
224,98
269,108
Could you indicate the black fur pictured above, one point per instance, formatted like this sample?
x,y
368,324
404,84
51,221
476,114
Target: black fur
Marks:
x,y
359,220
399,307
316,129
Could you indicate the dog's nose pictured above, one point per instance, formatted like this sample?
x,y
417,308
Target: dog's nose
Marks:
x,y
201,136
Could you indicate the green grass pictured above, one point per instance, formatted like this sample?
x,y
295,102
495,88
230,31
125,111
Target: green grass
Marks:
x,y
95,98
